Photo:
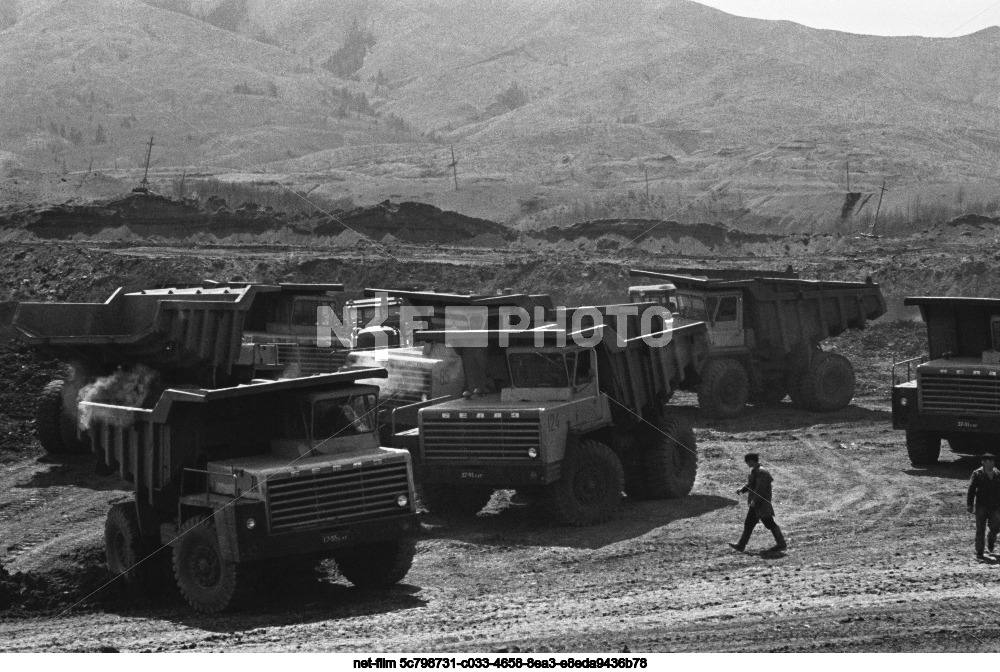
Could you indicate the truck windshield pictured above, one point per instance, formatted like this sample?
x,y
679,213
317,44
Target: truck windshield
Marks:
x,y
691,306
539,369
343,416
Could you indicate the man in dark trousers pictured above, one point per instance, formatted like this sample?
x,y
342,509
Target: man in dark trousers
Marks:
x,y
758,488
984,500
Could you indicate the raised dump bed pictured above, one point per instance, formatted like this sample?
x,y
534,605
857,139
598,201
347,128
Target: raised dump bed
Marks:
x,y
766,328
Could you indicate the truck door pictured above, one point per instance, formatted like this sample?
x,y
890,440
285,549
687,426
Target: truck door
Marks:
x,y
725,312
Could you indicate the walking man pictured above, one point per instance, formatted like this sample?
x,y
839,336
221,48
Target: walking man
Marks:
x,y
984,500
758,488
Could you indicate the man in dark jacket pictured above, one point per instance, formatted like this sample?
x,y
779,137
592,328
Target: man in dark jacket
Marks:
x,y
984,500
759,498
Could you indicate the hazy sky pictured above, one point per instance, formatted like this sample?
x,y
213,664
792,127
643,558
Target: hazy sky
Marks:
x,y
932,18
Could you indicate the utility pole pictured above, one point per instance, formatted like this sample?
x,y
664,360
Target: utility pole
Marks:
x,y
144,185
848,170
878,207
646,168
454,167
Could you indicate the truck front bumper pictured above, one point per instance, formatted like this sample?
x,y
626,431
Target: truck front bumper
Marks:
x,y
496,475
239,542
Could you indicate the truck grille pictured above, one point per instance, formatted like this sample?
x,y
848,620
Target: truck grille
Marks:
x,y
479,438
959,393
311,359
409,383
318,500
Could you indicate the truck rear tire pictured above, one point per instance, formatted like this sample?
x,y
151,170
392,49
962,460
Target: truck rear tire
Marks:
x,y
590,489
207,581
48,418
672,461
724,388
136,559
377,565
457,500
827,384
923,448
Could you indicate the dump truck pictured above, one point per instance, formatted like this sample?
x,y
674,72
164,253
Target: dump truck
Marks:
x,y
421,370
238,480
571,415
954,393
209,335
766,328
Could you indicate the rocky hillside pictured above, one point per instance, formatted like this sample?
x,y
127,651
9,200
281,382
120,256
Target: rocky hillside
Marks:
x,y
549,105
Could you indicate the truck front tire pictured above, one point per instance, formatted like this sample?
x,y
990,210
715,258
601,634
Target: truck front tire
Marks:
x,y
590,489
377,565
138,560
207,581
671,461
923,448
724,388
827,383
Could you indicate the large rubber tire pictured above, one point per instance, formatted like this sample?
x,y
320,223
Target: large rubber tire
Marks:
x,y
827,383
48,418
138,560
923,448
671,461
377,565
724,389
457,500
207,581
590,488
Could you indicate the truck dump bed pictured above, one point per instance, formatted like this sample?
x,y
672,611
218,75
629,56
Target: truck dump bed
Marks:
x,y
169,328
152,447
785,310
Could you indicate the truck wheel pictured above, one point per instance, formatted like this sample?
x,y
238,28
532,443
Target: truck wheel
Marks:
x,y
672,461
724,388
827,384
138,560
49,418
590,489
207,581
923,448
459,500
377,565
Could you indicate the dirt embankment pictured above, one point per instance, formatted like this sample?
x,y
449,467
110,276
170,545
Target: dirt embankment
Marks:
x,y
152,217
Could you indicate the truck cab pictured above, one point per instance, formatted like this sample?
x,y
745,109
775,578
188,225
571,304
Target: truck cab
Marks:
x,y
955,394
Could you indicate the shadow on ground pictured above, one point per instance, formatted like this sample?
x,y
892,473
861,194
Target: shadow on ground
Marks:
x,y
502,523
783,416
289,601
960,468
70,470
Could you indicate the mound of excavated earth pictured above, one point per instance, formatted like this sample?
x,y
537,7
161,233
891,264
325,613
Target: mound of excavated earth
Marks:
x,y
147,216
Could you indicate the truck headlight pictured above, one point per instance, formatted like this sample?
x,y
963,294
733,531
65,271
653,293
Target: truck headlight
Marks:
x,y
532,452
251,523
904,401
402,500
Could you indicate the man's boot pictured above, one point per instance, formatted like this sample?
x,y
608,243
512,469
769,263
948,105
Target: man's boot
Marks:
x,y
779,539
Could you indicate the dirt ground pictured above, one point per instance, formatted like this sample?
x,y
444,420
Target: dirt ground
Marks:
x,y
880,554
